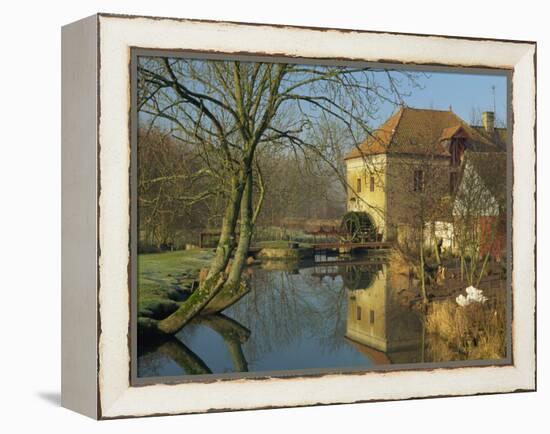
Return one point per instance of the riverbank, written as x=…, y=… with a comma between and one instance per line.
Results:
x=165, y=280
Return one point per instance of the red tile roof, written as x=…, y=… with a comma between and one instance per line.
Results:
x=419, y=131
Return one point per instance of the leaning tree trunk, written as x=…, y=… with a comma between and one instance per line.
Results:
x=216, y=277
x=241, y=253
x=235, y=288
x=226, y=243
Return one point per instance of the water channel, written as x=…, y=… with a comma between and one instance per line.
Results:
x=299, y=316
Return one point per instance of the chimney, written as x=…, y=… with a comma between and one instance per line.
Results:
x=488, y=120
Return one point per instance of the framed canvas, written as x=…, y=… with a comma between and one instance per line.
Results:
x=262, y=216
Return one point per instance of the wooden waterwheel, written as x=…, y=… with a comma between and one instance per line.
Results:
x=358, y=227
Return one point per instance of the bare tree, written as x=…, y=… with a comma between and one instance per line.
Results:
x=229, y=110
x=419, y=184
x=173, y=190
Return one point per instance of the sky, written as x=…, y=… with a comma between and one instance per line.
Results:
x=442, y=90
x=460, y=91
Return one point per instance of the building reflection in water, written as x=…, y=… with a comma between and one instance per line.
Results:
x=379, y=324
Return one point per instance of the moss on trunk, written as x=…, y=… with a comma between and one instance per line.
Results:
x=217, y=280
x=229, y=295
x=226, y=243
x=193, y=305
x=241, y=253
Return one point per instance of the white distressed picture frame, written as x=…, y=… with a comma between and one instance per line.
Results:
x=96, y=216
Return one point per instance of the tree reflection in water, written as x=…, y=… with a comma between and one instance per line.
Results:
x=349, y=315
x=284, y=307
x=233, y=334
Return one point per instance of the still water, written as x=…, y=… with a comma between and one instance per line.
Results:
x=294, y=318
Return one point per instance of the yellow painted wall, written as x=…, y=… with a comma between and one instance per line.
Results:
x=372, y=202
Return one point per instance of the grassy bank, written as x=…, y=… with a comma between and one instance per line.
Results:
x=166, y=279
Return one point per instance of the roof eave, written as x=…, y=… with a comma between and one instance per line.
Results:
x=364, y=155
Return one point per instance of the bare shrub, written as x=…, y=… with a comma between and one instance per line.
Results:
x=476, y=331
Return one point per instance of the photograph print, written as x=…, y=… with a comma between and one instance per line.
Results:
x=293, y=216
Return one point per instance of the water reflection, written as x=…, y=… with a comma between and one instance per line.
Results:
x=380, y=324
x=167, y=353
x=302, y=316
